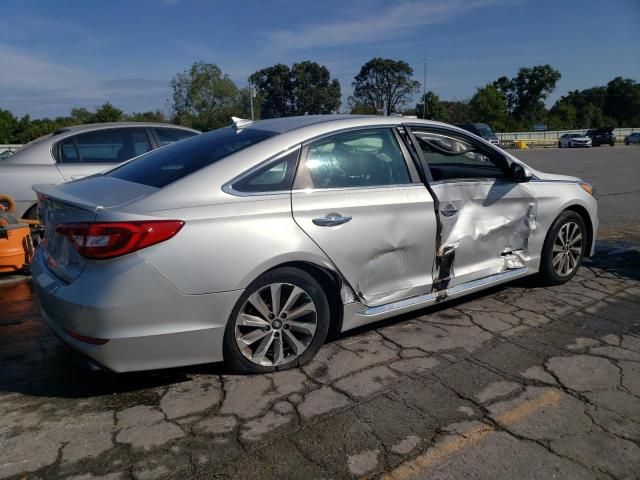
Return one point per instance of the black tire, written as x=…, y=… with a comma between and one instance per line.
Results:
x=233, y=357
x=612, y=144
x=626, y=142
x=548, y=274
x=559, y=145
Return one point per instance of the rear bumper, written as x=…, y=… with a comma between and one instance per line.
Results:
x=146, y=322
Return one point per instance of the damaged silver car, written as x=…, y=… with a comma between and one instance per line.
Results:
x=252, y=243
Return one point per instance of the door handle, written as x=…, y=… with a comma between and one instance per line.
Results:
x=449, y=211
x=331, y=220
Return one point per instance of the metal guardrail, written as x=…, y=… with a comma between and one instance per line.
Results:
x=9, y=147
x=549, y=138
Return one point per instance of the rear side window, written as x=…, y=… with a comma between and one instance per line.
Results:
x=166, y=165
x=365, y=158
x=106, y=146
x=277, y=176
x=170, y=135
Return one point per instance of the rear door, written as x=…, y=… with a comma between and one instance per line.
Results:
x=359, y=198
x=92, y=152
x=486, y=217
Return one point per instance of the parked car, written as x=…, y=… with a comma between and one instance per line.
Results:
x=249, y=244
x=74, y=152
x=574, y=140
x=632, y=138
x=601, y=136
x=482, y=130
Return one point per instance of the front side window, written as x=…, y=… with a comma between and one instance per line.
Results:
x=453, y=158
x=365, y=158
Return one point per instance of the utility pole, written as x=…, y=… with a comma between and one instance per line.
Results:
x=251, y=97
x=424, y=90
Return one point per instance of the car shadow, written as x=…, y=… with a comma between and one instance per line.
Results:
x=34, y=362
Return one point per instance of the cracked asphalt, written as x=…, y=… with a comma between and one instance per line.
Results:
x=519, y=381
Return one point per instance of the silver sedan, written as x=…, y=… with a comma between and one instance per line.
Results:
x=251, y=244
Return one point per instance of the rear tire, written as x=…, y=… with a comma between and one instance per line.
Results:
x=564, y=248
x=261, y=336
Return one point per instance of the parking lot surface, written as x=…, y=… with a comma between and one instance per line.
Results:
x=519, y=381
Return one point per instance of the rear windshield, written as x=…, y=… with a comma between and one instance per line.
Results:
x=168, y=164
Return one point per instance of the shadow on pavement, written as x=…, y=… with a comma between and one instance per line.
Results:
x=34, y=362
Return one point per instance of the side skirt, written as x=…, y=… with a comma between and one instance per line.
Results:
x=357, y=315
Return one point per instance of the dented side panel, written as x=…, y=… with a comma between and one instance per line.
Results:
x=386, y=250
x=486, y=226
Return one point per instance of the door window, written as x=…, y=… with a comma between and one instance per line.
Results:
x=452, y=158
x=105, y=146
x=365, y=158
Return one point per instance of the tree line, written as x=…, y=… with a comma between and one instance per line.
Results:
x=204, y=97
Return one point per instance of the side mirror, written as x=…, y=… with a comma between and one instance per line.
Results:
x=519, y=173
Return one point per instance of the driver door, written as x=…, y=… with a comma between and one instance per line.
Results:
x=485, y=215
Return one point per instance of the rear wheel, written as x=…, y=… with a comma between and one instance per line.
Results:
x=559, y=144
x=280, y=322
x=563, y=249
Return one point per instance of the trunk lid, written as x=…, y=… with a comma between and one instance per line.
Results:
x=78, y=202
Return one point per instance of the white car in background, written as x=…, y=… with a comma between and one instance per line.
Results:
x=74, y=152
x=574, y=140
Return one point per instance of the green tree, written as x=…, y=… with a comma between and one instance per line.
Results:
x=107, y=113
x=274, y=85
x=81, y=115
x=458, y=111
x=562, y=116
x=525, y=93
x=8, y=124
x=150, y=116
x=579, y=109
x=431, y=108
x=314, y=92
x=304, y=89
x=622, y=102
x=203, y=97
x=384, y=85
x=488, y=106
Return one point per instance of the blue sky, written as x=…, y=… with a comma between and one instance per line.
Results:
x=56, y=55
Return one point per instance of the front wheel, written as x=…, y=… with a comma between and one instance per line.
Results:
x=559, y=145
x=564, y=248
x=280, y=321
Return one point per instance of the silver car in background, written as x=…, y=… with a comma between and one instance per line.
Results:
x=74, y=152
x=572, y=140
x=250, y=244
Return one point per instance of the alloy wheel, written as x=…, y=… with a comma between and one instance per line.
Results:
x=567, y=249
x=276, y=324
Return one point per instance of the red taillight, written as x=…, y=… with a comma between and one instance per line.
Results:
x=112, y=239
x=85, y=339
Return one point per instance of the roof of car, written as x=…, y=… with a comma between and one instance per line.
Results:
x=98, y=126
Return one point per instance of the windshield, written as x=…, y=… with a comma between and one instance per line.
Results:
x=161, y=167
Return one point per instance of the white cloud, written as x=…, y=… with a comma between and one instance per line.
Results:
x=384, y=24
x=30, y=84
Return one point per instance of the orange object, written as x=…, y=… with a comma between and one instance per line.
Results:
x=16, y=248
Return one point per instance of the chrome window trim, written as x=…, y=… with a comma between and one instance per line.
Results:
x=228, y=187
